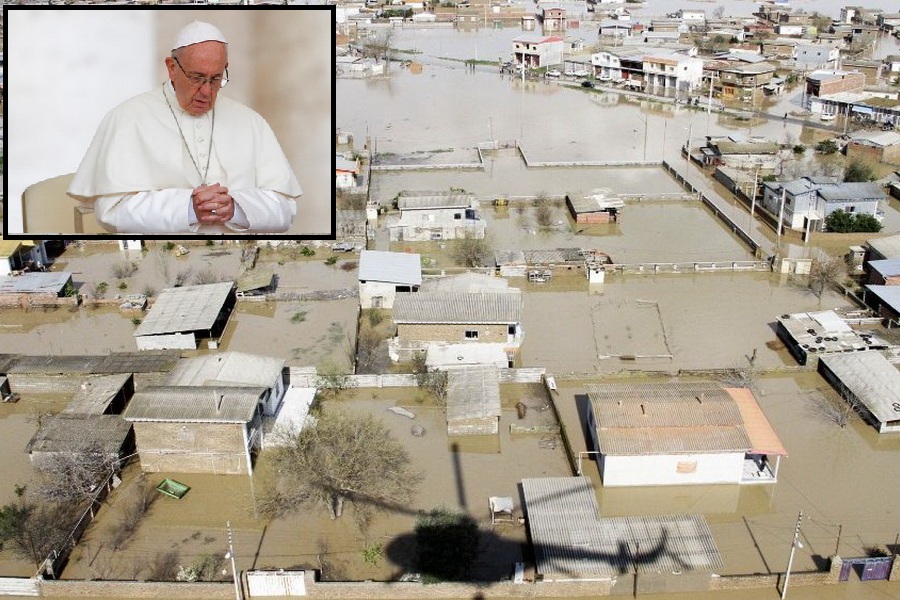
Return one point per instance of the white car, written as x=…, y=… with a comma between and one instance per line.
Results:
x=826, y=117
x=553, y=73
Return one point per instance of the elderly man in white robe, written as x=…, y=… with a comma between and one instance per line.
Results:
x=180, y=160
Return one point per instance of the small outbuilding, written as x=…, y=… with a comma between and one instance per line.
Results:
x=473, y=401
x=870, y=383
x=383, y=274
x=885, y=300
x=809, y=336
x=594, y=209
x=572, y=541
x=183, y=316
x=105, y=438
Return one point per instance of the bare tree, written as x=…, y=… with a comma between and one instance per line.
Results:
x=434, y=381
x=543, y=211
x=342, y=458
x=826, y=271
x=73, y=476
x=471, y=251
x=33, y=528
x=840, y=409
x=368, y=345
x=718, y=12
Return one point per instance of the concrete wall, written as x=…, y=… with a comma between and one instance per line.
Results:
x=135, y=589
x=410, y=333
x=174, y=341
x=486, y=426
x=191, y=447
x=31, y=383
x=672, y=469
x=26, y=301
x=373, y=289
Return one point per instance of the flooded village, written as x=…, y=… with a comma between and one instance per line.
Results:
x=611, y=309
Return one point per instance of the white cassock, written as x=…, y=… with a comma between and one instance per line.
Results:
x=139, y=176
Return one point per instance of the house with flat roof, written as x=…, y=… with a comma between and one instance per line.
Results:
x=197, y=429
x=235, y=369
x=103, y=438
x=809, y=200
x=870, y=383
x=473, y=401
x=883, y=247
x=383, y=274
x=681, y=433
x=884, y=272
x=457, y=318
x=534, y=51
x=436, y=216
x=809, y=336
x=885, y=300
x=35, y=288
x=16, y=255
x=874, y=146
x=572, y=541
x=183, y=316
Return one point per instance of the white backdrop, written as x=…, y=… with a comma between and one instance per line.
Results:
x=67, y=68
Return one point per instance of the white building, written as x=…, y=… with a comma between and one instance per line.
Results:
x=535, y=51
x=681, y=433
x=808, y=57
x=383, y=274
x=437, y=216
x=672, y=71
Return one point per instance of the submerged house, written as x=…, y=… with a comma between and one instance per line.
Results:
x=681, y=433
x=215, y=429
x=457, y=318
x=437, y=216
x=807, y=201
x=105, y=439
x=473, y=401
x=183, y=316
x=809, y=336
x=384, y=274
x=870, y=383
x=572, y=541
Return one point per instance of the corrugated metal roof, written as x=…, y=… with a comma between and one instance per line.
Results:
x=888, y=247
x=671, y=404
x=871, y=378
x=465, y=282
x=449, y=307
x=255, y=281
x=473, y=393
x=555, y=256
x=72, y=433
x=35, y=283
x=148, y=361
x=572, y=541
x=401, y=268
x=227, y=369
x=95, y=394
x=637, y=441
x=7, y=361
x=886, y=267
x=889, y=295
x=194, y=404
x=852, y=190
x=56, y=365
x=763, y=439
x=667, y=418
x=188, y=308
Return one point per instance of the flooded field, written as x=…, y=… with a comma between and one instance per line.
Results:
x=459, y=474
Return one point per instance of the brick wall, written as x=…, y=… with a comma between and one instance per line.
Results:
x=35, y=300
x=134, y=589
x=191, y=447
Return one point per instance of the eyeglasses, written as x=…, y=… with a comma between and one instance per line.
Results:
x=219, y=81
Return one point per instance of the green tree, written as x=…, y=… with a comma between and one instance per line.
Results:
x=447, y=545
x=867, y=223
x=859, y=170
x=343, y=458
x=827, y=147
x=839, y=222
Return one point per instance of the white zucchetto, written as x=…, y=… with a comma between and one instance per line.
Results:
x=196, y=32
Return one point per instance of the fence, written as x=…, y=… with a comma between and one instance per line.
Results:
x=690, y=267
x=308, y=377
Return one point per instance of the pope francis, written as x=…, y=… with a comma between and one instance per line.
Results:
x=180, y=160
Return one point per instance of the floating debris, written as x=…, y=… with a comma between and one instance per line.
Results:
x=398, y=410
x=418, y=430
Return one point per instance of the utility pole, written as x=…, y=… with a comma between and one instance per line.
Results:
x=794, y=544
x=781, y=213
x=234, y=573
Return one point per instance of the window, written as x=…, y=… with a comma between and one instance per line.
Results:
x=457, y=216
x=471, y=334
